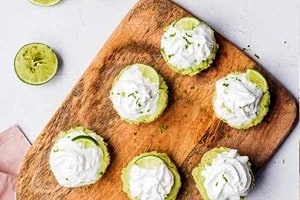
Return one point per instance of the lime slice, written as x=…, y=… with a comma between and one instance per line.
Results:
x=35, y=63
x=256, y=78
x=86, y=140
x=44, y=2
x=149, y=161
x=149, y=73
x=186, y=23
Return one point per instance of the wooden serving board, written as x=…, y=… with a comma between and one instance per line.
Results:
x=192, y=127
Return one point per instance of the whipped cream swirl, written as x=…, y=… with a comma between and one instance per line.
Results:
x=133, y=95
x=228, y=177
x=153, y=183
x=237, y=99
x=74, y=165
x=188, y=48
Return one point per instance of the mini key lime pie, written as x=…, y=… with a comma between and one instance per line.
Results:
x=241, y=99
x=139, y=94
x=78, y=157
x=152, y=176
x=223, y=174
x=189, y=46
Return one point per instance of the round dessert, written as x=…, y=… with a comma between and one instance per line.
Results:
x=241, y=99
x=189, y=46
x=151, y=175
x=139, y=94
x=78, y=157
x=223, y=174
x=35, y=63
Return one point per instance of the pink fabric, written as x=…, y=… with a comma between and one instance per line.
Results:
x=7, y=186
x=13, y=147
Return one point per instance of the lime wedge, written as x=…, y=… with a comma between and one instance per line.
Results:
x=44, y=2
x=256, y=78
x=149, y=161
x=149, y=73
x=86, y=141
x=35, y=63
x=186, y=23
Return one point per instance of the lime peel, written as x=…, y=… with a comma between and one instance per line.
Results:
x=86, y=140
x=44, y=2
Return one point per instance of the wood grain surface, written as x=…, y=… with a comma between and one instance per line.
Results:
x=192, y=127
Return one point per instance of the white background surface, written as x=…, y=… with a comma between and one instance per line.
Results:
x=77, y=29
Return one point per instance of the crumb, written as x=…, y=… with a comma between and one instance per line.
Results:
x=185, y=193
x=162, y=128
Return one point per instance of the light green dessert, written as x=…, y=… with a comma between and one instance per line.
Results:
x=189, y=46
x=139, y=94
x=241, y=99
x=35, y=63
x=223, y=174
x=78, y=157
x=151, y=175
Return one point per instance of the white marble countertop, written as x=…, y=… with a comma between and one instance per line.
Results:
x=77, y=29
